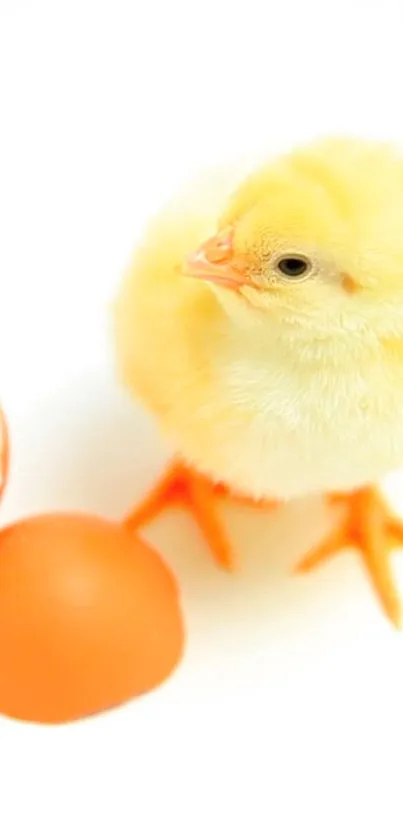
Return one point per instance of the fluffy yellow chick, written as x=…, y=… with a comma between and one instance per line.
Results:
x=266, y=335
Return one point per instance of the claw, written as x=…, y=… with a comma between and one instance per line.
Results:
x=182, y=486
x=370, y=527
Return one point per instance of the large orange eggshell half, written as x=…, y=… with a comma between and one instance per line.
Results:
x=89, y=618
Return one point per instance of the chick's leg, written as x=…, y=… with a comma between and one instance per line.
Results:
x=182, y=486
x=369, y=526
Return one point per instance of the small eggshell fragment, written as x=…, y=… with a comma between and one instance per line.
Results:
x=89, y=618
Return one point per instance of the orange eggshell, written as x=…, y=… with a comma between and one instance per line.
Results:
x=89, y=618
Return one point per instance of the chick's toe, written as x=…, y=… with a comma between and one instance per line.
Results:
x=369, y=526
x=184, y=487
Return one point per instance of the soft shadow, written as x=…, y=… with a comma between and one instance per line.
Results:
x=87, y=447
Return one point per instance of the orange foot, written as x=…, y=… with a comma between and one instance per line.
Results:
x=181, y=486
x=371, y=527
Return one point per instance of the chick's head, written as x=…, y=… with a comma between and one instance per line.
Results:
x=313, y=241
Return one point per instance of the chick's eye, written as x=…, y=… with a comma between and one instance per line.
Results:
x=293, y=266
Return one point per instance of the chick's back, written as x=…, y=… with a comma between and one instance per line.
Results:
x=165, y=324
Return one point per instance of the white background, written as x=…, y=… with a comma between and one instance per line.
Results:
x=285, y=718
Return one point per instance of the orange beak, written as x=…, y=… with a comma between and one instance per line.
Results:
x=214, y=262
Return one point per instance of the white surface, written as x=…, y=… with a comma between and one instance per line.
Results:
x=285, y=718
